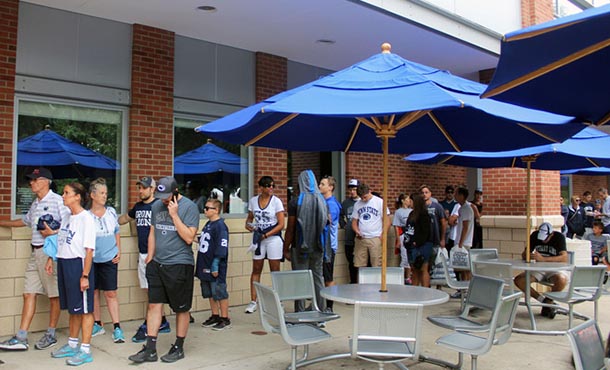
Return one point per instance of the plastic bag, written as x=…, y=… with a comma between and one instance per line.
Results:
x=438, y=272
x=460, y=258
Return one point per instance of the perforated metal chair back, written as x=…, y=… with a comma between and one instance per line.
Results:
x=452, y=282
x=498, y=270
x=386, y=332
x=587, y=346
x=484, y=292
x=590, y=278
x=482, y=255
x=372, y=275
x=506, y=318
x=270, y=308
x=294, y=285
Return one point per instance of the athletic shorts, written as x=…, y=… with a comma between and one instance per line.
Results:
x=71, y=298
x=106, y=275
x=37, y=281
x=172, y=284
x=142, y=270
x=271, y=249
x=547, y=276
x=328, y=268
x=215, y=290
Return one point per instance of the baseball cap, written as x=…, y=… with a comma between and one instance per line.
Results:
x=38, y=173
x=545, y=230
x=165, y=187
x=353, y=183
x=146, y=182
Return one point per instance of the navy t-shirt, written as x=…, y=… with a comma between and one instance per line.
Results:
x=213, y=243
x=142, y=213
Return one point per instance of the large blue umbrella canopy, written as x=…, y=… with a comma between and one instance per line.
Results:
x=420, y=108
x=423, y=108
x=588, y=148
x=585, y=149
x=559, y=66
x=64, y=158
x=590, y=171
x=209, y=158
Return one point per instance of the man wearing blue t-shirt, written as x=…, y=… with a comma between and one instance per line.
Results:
x=327, y=187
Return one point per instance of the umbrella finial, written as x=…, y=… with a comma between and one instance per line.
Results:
x=386, y=48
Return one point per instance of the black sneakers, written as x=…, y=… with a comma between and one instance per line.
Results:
x=222, y=324
x=173, y=355
x=211, y=321
x=144, y=355
x=549, y=312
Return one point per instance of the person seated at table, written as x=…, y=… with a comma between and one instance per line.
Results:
x=599, y=249
x=547, y=246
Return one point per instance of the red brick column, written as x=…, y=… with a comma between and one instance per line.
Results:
x=536, y=11
x=9, y=10
x=151, y=119
x=581, y=183
x=271, y=79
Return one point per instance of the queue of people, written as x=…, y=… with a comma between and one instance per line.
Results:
x=76, y=250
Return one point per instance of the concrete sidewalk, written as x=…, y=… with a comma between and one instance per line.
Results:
x=241, y=347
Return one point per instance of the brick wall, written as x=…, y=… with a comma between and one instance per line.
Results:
x=271, y=79
x=9, y=10
x=536, y=11
x=305, y=161
x=580, y=184
x=151, y=117
x=403, y=177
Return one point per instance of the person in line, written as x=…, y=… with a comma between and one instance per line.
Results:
x=546, y=246
x=477, y=208
x=604, y=214
x=438, y=218
x=345, y=221
x=599, y=244
x=170, y=268
x=588, y=207
x=306, y=245
x=327, y=187
x=265, y=221
x=76, y=274
x=464, y=232
x=403, y=209
x=367, y=222
x=418, y=238
x=142, y=214
x=212, y=266
x=576, y=218
x=106, y=259
x=36, y=281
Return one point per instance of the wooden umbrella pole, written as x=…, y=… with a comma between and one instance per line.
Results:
x=528, y=212
x=384, y=234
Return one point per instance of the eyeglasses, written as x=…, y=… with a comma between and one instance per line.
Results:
x=269, y=186
x=208, y=208
x=578, y=200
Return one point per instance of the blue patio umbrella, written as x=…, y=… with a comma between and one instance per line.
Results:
x=387, y=97
x=209, y=158
x=64, y=158
x=585, y=149
x=559, y=66
x=591, y=171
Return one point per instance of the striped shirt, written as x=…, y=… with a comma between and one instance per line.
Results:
x=52, y=204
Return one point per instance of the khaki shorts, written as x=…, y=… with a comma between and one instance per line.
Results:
x=36, y=278
x=365, y=248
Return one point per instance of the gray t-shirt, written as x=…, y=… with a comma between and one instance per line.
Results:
x=170, y=248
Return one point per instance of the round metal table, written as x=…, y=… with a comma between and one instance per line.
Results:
x=351, y=293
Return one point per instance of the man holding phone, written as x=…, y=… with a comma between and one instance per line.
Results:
x=169, y=268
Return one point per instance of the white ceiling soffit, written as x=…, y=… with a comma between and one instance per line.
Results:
x=290, y=28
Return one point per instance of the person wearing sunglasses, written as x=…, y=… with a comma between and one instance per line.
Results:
x=576, y=218
x=266, y=221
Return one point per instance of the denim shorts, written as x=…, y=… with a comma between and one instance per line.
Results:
x=420, y=255
x=215, y=290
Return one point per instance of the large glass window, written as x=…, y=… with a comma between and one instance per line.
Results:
x=205, y=168
x=76, y=143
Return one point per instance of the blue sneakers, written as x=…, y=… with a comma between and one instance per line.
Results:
x=117, y=336
x=97, y=330
x=64, y=351
x=80, y=358
x=165, y=328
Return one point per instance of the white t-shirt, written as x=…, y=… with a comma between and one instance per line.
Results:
x=77, y=232
x=453, y=229
x=265, y=217
x=369, y=216
x=465, y=214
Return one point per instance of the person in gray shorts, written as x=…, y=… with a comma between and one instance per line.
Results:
x=37, y=281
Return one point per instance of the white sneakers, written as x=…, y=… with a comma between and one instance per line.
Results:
x=251, y=307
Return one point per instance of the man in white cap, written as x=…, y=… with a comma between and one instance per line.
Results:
x=546, y=246
x=37, y=281
x=170, y=267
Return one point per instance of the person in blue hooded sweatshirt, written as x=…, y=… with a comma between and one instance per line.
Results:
x=307, y=244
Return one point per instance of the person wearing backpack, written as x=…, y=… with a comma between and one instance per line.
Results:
x=418, y=239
